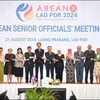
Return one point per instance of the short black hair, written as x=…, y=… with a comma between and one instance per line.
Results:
x=10, y=49
x=49, y=46
x=1, y=47
x=73, y=97
x=29, y=47
x=3, y=96
x=38, y=43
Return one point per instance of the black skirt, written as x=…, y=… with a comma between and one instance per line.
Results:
x=9, y=68
x=18, y=72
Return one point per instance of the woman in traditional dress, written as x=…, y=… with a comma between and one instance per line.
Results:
x=96, y=72
x=2, y=59
x=70, y=69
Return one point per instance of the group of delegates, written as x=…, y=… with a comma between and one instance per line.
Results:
x=14, y=64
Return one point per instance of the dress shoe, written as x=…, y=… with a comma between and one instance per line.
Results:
x=86, y=82
x=91, y=82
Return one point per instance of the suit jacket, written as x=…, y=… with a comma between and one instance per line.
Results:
x=89, y=55
x=27, y=56
x=39, y=55
x=79, y=56
x=50, y=58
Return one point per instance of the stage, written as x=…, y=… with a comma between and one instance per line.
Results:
x=82, y=91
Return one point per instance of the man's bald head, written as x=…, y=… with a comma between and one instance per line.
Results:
x=89, y=47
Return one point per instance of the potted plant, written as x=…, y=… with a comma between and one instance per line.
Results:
x=41, y=94
x=32, y=95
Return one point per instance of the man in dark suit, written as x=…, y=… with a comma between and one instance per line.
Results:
x=39, y=61
x=79, y=64
x=50, y=58
x=89, y=63
x=29, y=64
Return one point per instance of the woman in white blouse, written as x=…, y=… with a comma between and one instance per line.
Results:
x=19, y=65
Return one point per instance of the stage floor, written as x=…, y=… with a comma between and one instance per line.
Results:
x=82, y=91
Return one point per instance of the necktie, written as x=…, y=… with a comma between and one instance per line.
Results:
x=39, y=50
x=79, y=53
x=49, y=53
x=89, y=51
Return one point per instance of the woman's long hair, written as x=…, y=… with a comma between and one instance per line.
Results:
x=19, y=49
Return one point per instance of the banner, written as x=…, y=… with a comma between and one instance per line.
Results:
x=60, y=24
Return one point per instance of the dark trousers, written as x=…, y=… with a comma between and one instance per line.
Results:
x=59, y=73
x=50, y=67
x=28, y=69
x=87, y=68
x=37, y=65
x=79, y=73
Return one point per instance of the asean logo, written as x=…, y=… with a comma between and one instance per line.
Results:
x=24, y=12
